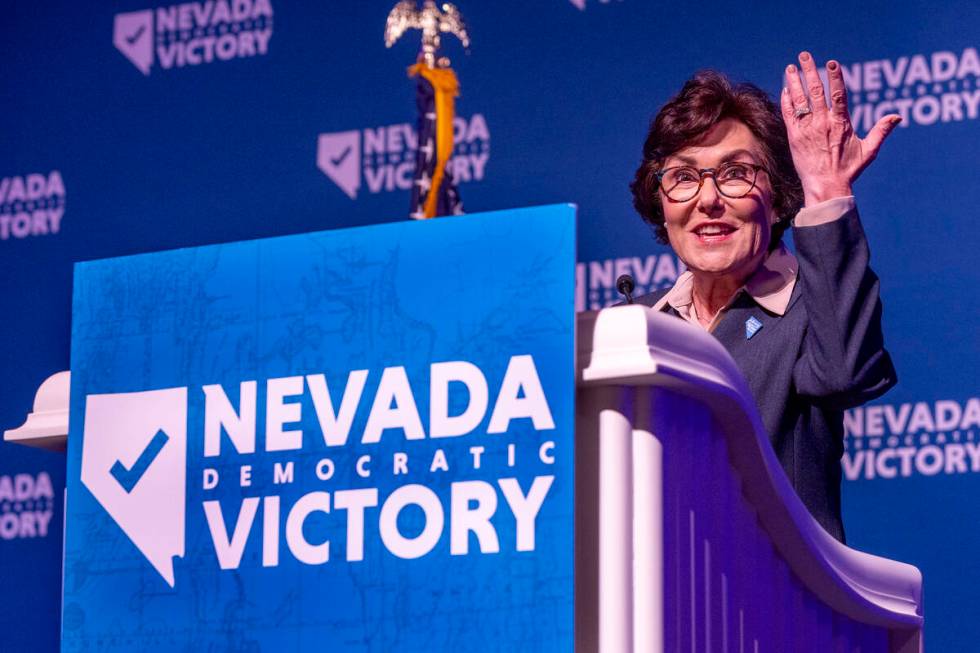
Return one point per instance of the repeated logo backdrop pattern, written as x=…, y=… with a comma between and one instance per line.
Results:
x=184, y=124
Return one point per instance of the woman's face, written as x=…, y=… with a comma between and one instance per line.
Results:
x=714, y=235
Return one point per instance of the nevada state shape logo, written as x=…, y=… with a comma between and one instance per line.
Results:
x=338, y=156
x=134, y=461
x=132, y=35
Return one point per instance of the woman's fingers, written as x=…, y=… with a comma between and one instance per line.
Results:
x=877, y=135
x=827, y=153
x=838, y=92
x=786, y=104
x=814, y=86
x=797, y=95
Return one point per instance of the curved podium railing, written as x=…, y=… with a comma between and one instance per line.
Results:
x=689, y=535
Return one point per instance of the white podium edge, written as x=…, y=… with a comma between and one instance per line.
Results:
x=635, y=346
x=46, y=426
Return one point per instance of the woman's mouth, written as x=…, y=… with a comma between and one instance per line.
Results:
x=715, y=232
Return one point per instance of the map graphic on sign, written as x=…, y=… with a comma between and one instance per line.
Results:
x=134, y=464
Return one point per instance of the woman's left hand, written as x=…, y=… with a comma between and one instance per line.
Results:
x=827, y=154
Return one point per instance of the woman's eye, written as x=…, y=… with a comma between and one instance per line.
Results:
x=685, y=177
x=735, y=172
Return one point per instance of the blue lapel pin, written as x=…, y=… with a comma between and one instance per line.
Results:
x=752, y=326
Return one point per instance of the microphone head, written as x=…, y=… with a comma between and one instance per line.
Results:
x=625, y=284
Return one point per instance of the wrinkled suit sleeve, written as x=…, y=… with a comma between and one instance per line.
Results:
x=843, y=362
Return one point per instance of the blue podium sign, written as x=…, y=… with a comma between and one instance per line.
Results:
x=354, y=440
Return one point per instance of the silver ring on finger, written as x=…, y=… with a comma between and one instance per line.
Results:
x=799, y=112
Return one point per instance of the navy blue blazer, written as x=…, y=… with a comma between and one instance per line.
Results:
x=824, y=354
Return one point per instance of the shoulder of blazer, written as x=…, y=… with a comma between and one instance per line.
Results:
x=650, y=298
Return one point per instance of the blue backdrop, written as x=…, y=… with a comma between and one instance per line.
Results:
x=140, y=126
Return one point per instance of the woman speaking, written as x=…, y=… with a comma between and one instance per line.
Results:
x=724, y=173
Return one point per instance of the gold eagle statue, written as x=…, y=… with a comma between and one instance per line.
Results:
x=432, y=20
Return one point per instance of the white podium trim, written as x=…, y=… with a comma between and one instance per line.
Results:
x=47, y=425
x=634, y=346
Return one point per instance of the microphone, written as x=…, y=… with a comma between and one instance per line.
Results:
x=625, y=285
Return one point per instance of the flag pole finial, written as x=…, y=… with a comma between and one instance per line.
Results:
x=433, y=20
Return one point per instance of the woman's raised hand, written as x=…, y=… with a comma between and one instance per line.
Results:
x=827, y=153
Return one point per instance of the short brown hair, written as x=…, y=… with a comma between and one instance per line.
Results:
x=705, y=100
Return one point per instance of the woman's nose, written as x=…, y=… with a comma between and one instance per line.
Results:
x=709, y=199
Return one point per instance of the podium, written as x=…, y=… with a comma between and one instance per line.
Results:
x=689, y=534
x=254, y=462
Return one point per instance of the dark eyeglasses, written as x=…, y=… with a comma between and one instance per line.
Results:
x=733, y=180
